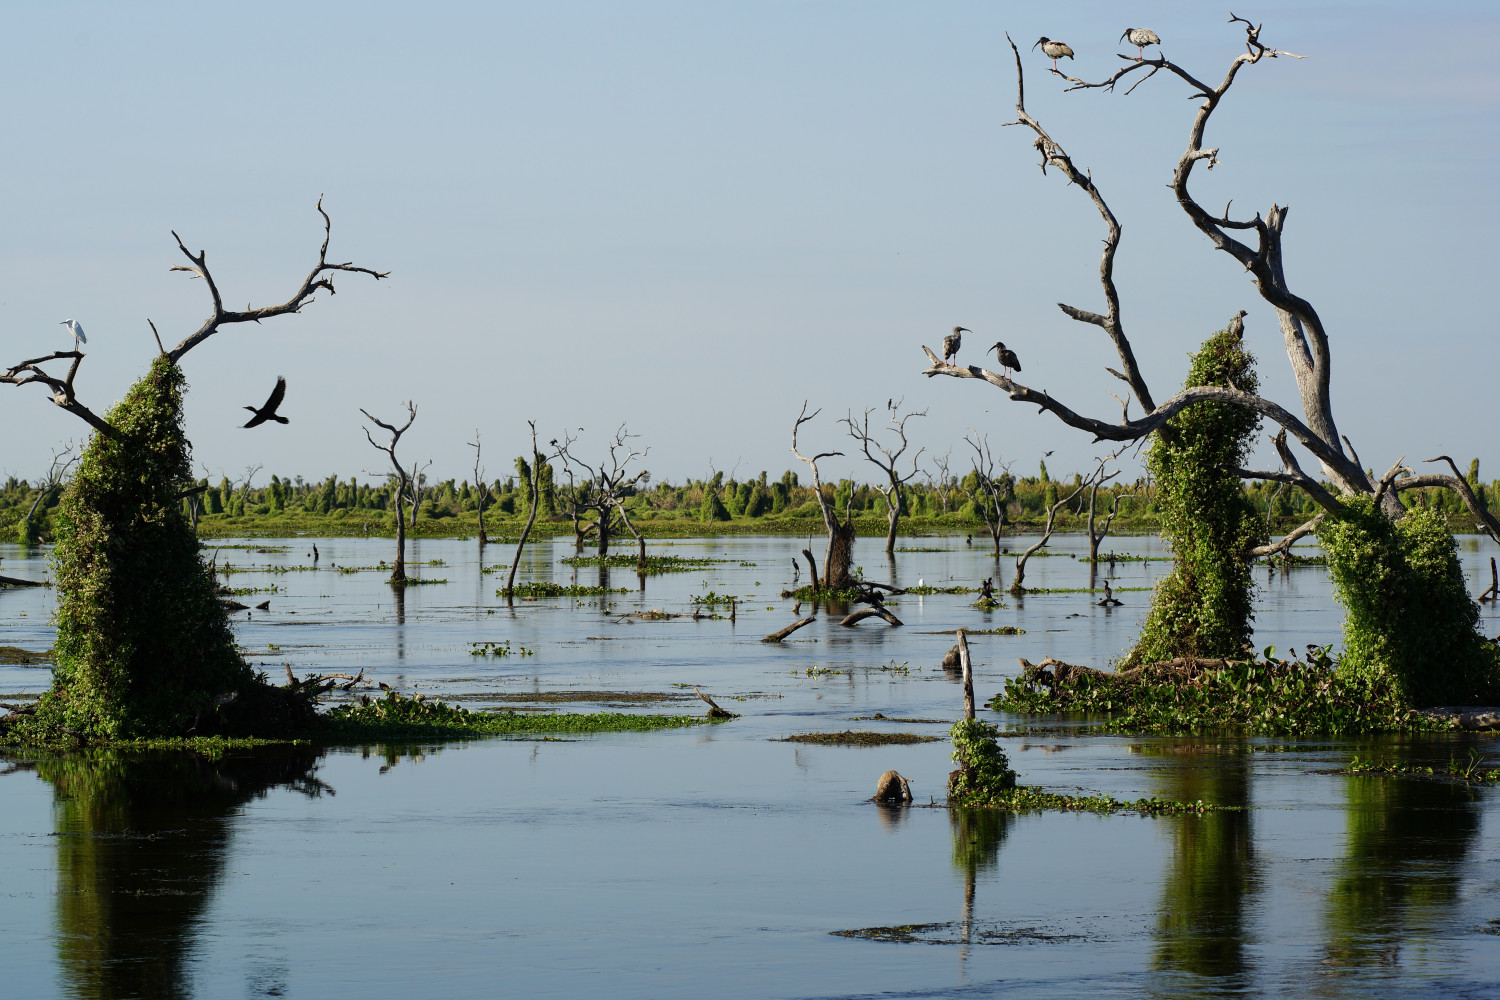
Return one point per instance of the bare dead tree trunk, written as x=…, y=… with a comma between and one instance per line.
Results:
x=480, y=489
x=533, y=500
x=840, y=536
x=1097, y=535
x=887, y=461
x=968, y=671
x=1017, y=587
x=398, y=572
x=991, y=493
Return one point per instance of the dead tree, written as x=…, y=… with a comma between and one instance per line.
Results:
x=840, y=555
x=888, y=461
x=50, y=483
x=415, y=480
x=602, y=489
x=398, y=572
x=1098, y=531
x=1305, y=337
x=480, y=489
x=990, y=493
x=532, y=473
x=939, y=480
x=1016, y=587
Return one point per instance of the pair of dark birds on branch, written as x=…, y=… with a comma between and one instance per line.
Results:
x=1006, y=357
x=1139, y=37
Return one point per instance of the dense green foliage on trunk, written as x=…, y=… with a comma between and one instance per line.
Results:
x=1203, y=607
x=1410, y=621
x=143, y=644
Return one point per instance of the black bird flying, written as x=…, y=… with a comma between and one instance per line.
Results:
x=951, y=342
x=1006, y=357
x=268, y=411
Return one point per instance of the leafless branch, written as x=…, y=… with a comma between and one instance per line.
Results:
x=1285, y=543
x=398, y=572
x=63, y=394
x=888, y=461
x=1054, y=155
x=320, y=278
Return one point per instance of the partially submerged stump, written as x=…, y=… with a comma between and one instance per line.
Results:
x=794, y=626
x=892, y=788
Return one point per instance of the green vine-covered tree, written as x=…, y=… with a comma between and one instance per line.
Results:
x=144, y=646
x=1203, y=607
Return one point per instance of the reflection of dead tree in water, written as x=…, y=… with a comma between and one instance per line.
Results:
x=398, y=572
x=840, y=554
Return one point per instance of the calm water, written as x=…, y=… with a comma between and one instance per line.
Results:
x=720, y=858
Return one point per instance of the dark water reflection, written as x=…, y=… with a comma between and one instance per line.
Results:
x=142, y=842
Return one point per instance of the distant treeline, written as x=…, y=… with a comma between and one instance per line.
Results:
x=451, y=507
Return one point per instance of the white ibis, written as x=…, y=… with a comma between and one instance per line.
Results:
x=1237, y=326
x=951, y=342
x=1140, y=38
x=1054, y=50
x=1006, y=357
x=268, y=410
x=76, y=331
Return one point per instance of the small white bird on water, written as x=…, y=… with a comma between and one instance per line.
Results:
x=76, y=331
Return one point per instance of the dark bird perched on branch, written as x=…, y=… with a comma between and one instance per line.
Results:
x=1054, y=50
x=268, y=411
x=1140, y=38
x=951, y=342
x=1237, y=326
x=1006, y=357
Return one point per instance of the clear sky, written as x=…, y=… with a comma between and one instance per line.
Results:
x=690, y=217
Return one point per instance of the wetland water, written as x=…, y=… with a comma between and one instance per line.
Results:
x=719, y=858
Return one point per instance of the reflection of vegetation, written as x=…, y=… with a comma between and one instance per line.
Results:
x=1202, y=926
x=1407, y=844
x=141, y=844
x=977, y=835
x=1466, y=770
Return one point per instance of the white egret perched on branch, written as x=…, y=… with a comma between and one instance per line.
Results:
x=76, y=331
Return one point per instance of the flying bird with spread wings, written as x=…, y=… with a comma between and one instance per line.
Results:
x=268, y=410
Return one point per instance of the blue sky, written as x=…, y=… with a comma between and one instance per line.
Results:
x=690, y=217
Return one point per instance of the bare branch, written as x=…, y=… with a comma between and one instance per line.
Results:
x=63, y=394
x=1291, y=537
x=1054, y=155
x=320, y=278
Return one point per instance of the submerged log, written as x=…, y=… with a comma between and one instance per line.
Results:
x=794, y=626
x=714, y=711
x=860, y=616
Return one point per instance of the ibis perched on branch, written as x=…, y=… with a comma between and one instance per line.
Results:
x=1140, y=38
x=951, y=342
x=1006, y=357
x=1054, y=50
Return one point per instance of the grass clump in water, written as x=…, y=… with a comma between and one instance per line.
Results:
x=857, y=738
x=1263, y=697
x=533, y=591
x=417, y=717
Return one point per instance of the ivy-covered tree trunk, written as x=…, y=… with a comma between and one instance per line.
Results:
x=144, y=646
x=1411, y=622
x=1203, y=607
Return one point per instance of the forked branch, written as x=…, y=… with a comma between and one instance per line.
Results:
x=320, y=278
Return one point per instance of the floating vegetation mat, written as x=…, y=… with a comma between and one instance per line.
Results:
x=652, y=565
x=953, y=932
x=532, y=591
x=15, y=656
x=602, y=697
x=857, y=738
